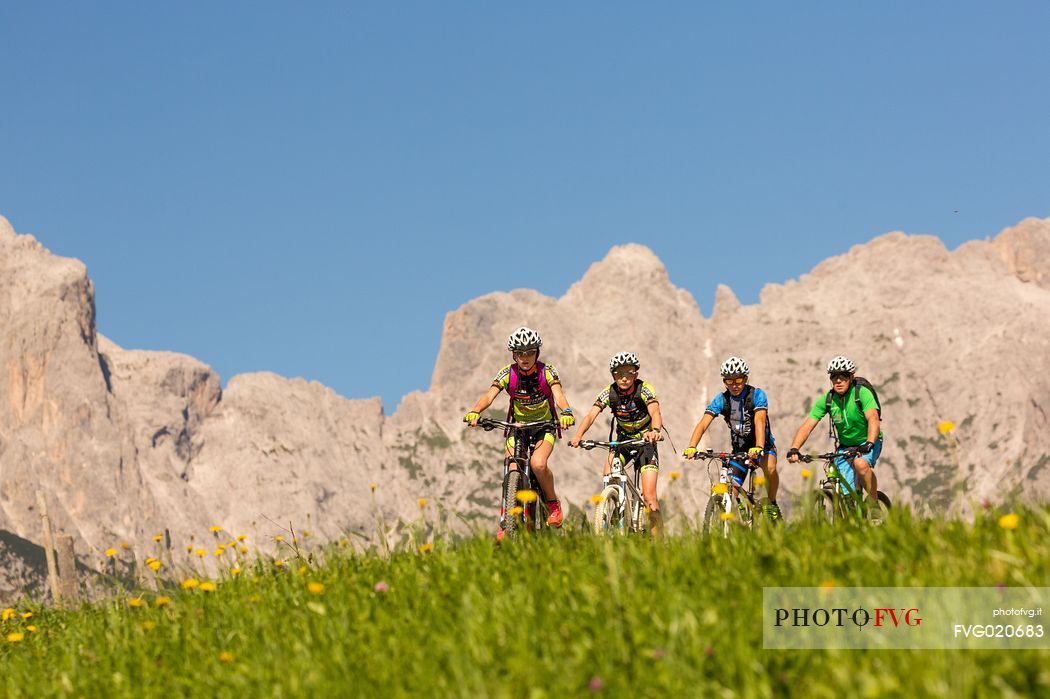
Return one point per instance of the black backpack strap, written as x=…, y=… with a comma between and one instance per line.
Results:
x=831, y=422
x=612, y=411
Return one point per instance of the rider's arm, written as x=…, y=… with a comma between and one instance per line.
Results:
x=803, y=433
x=585, y=424
x=486, y=399
x=559, y=397
x=656, y=418
x=698, y=431
x=760, y=428
x=873, y=424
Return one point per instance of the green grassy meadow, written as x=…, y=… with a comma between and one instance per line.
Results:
x=564, y=614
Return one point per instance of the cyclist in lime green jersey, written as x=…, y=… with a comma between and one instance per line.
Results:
x=854, y=413
x=535, y=394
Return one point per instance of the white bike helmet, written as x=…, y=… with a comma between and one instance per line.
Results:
x=841, y=365
x=623, y=359
x=524, y=339
x=735, y=366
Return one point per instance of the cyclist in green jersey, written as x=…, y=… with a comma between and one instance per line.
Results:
x=535, y=394
x=854, y=426
x=637, y=414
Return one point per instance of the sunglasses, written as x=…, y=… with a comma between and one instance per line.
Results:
x=523, y=354
x=624, y=373
x=835, y=378
x=735, y=381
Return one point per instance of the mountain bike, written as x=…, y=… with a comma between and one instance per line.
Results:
x=621, y=508
x=730, y=505
x=531, y=512
x=840, y=497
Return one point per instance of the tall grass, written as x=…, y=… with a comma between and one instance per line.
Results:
x=560, y=615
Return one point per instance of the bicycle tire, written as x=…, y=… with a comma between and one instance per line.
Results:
x=512, y=523
x=713, y=513
x=826, y=506
x=606, y=512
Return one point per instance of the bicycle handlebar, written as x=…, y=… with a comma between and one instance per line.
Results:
x=711, y=454
x=489, y=424
x=626, y=443
x=848, y=452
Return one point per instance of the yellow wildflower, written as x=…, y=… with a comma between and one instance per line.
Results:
x=1009, y=521
x=149, y=625
x=278, y=538
x=241, y=537
x=760, y=480
x=806, y=473
x=200, y=553
x=27, y=615
x=515, y=511
x=235, y=571
x=302, y=570
x=111, y=552
x=526, y=496
x=315, y=588
x=216, y=528
x=124, y=546
x=945, y=427
x=15, y=637
x=306, y=534
x=278, y=563
x=207, y=587
x=135, y=602
x=158, y=537
x=162, y=601
x=31, y=628
x=422, y=502
x=226, y=657
x=218, y=551
x=189, y=548
x=595, y=499
x=372, y=486
x=826, y=585
x=243, y=549
x=719, y=489
x=726, y=516
x=154, y=565
x=7, y=614
x=190, y=583
x=426, y=548
x=675, y=475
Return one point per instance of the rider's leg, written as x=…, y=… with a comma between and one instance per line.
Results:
x=546, y=479
x=769, y=469
x=542, y=471
x=867, y=477
x=650, y=474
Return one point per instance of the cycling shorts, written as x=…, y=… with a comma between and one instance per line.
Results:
x=535, y=435
x=845, y=466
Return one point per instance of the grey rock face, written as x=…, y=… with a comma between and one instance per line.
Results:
x=127, y=443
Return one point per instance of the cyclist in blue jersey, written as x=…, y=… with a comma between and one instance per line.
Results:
x=745, y=409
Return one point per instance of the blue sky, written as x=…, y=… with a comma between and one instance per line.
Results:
x=309, y=190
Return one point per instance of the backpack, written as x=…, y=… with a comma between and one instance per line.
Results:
x=636, y=395
x=749, y=408
x=545, y=389
x=858, y=382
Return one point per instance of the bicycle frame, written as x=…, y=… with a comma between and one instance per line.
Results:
x=834, y=483
x=532, y=514
x=732, y=500
x=628, y=488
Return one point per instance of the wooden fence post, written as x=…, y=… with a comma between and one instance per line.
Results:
x=67, y=568
x=49, y=549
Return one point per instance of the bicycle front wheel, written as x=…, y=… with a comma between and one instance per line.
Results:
x=607, y=517
x=514, y=519
x=713, y=521
x=826, y=507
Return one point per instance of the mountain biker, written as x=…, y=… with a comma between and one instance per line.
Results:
x=746, y=412
x=854, y=426
x=636, y=412
x=536, y=395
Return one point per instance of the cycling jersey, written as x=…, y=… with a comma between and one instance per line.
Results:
x=851, y=425
x=631, y=409
x=530, y=403
x=742, y=421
